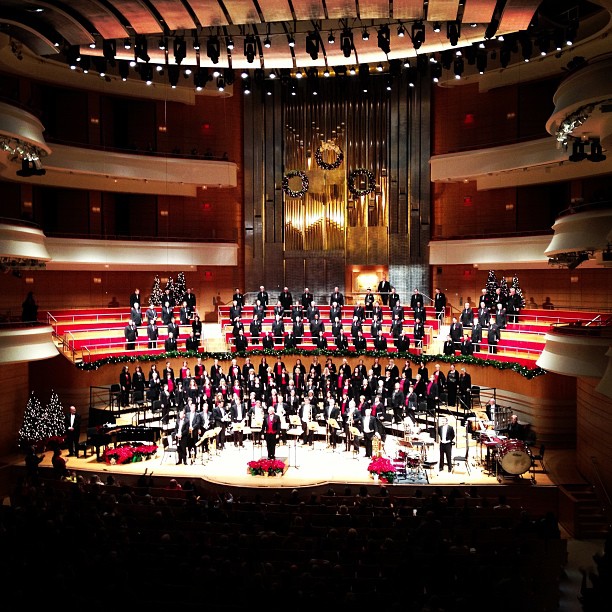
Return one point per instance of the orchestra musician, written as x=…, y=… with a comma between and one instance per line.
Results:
x=181, y=432
x=352, y=418
x=221, y=418
x=332, y=411
x=306, y=418
x=238, y=415
x=194, y=421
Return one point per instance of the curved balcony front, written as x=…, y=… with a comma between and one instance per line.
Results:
x=26, y=343
x=577, y=350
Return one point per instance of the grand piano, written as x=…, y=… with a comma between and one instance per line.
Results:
x=103, y=432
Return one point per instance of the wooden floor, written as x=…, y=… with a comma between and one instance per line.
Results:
x=319, y=465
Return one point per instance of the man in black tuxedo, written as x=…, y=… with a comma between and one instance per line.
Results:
x=306, y=298
x=238, y=297
x=235, y=310
x=368, y=301
x=135, y=297
x=174, y=329
x=384, y=289
x=394, y=298
x=397, y=403
x=456, y=333
x=369, y=425
x=298, y=330
x=151, y=314
x=335, y=311
x=415, y=298
x=263, y=297
x=290, y=342
x=439, y=303
x=341, y=341
x=271, y=429
x=446, y=436
x=297, y=311
x=241, y=342
x=278, y=330
x=170, y=343
x=73, y=432
x=181, y=434
x=316, y=327
x=402, y=343
x=359, y=342
x=336, y=296
x=255, y=330
x=152, y=334
x=476, y=335
x=336, y=327
x=190, y=298
x=449, y=346
x=286, y=299
x=268, y=341
x=380, y=342
x=493, y=337
x=131, y=335
x=467, y=348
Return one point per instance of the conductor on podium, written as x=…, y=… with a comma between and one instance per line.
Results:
x=271, y=429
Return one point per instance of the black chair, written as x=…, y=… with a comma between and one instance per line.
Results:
x=539, y=457
x=475, y=397
x=115, y=396
x=462, y=459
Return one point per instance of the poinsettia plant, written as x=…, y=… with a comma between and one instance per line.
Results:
x=383, y=467
x=266, y=466
x=129, y=453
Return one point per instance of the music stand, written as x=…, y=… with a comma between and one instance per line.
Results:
x=333, y=424
x=313, y=427
x=256, y=426
x=355, y=435
x=296, y=431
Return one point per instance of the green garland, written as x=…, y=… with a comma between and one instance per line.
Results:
x=524, y=371
x=288, y=190
x=357, y=193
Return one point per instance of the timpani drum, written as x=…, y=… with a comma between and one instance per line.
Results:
x=514, y=456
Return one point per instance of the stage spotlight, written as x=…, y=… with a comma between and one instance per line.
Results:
x=491, y=29
x=141, y=49
x=291, y=41
x=249, y=48
x=229, y=43
x=401, y=30
x=346, y=42
x=200, y=78
x=109, y=49
x=384, y=39
x=220, y=83
x=246, y=87
x=418, y=35
x=331, y=39
x=213, y=49
x=453, y=31
x=180, y=49
x=73, y=55
x=458, y=67
x=124, y=69
x=364, y=77
x=437, y=26
x=578, y=153
x=526, y=48
x=312, y=45
x=173, y=75
x=481, y=61
x=436, y=72
x=570, y=33
x=596, y=154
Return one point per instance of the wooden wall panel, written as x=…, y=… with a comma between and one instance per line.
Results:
x=590, y=291
x=12, y=404
x=594, y=422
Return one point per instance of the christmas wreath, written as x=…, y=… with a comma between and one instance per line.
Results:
x=351, y=182
x=288, y=190
x=329, y=146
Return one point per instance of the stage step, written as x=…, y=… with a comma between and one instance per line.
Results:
x=587, y=512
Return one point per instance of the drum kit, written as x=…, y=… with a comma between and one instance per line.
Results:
x=505, y=456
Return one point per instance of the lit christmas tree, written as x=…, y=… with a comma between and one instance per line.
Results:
x=170, y=288
x=180, y=288
x=30, y=432
x=54, y=419
x=519, y=291
x=504, y=286
x=491, y=285
x=156, y=292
